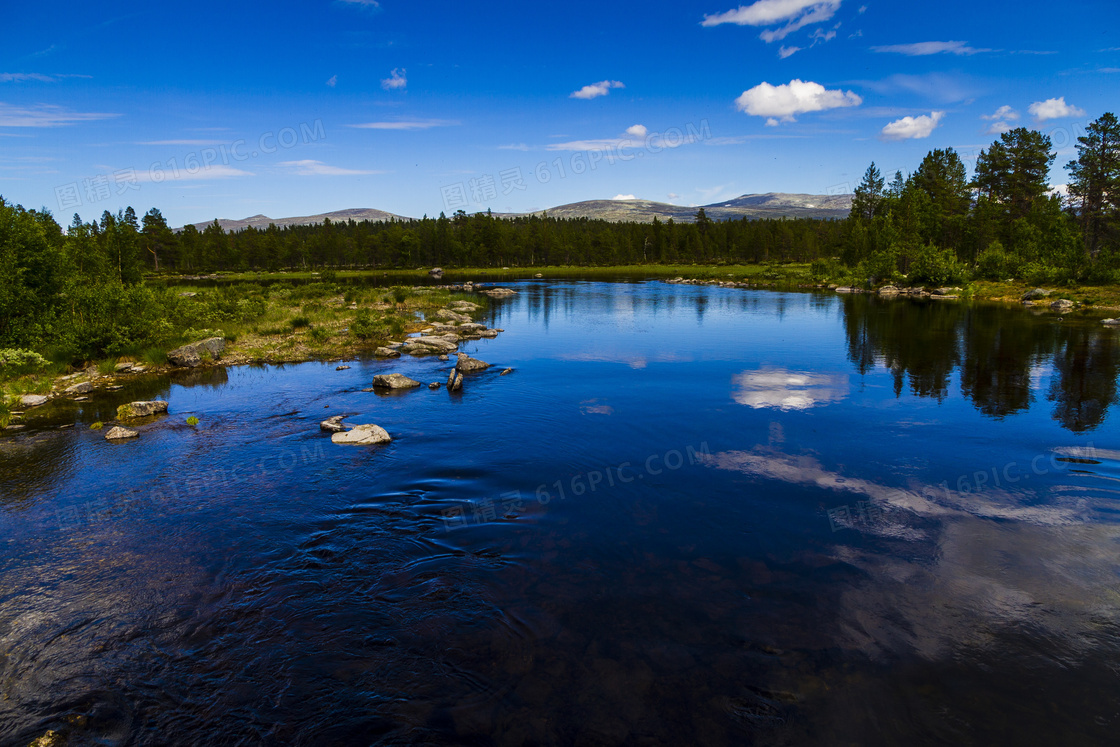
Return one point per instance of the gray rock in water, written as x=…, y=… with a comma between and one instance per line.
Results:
x=82, y=388
x=507, y=371
x=387, y=352
x=467, y=363
x=117, y=433
x=1105, y=322
x=1062, y=304
x=443, y=357
x=498, y=292
x=342, y=368
x=333, y=424
x=394, y=381
x=436, y=272
x=437, y=344
x=888, y=290
x=141, y=409
x=455, y=380
x=362, y=435
x=488, y=333
x=434, y=385
x=1037, y=293
x=32, y=400
x=451, y=316
x=189, y=356
x=123, y=367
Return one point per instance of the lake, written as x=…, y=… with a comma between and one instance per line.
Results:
x=690, y=515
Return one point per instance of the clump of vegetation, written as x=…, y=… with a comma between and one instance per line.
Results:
x=364, y=325
x=5, y=411
x=15, y=362
x=192, y=420
x=319, y=334
x=300, y=322
x=96, y=426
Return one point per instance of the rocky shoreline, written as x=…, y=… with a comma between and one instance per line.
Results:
x=439, y=334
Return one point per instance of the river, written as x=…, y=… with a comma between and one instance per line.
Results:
x=690, y=515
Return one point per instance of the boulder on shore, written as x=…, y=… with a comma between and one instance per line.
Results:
x=387, y=352
x=394, y=381
x=117, y=433
x=32, y=400
x=362, y=435
x=1062, y=304
x=141, y=409
x=1034, y=294
x=81, y=388
x=191, y=355
x=467, y=363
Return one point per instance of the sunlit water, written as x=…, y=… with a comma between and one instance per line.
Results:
x=691, y=515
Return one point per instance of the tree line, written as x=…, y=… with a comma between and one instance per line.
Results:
x=938, y=226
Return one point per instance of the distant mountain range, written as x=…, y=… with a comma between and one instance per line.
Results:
x=770, y=205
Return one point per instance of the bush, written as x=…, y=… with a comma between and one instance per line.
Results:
x=401, y=293
x=319, y=334
x=16, y=362
x=934, y=266
x=300, y=321
x=995, y=264
x=364, y=326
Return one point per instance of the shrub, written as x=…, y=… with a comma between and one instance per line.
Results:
x=18, y=362
x=401, y=293
x=364, y=326
x=96, y=426
x=320, y=334
x=300, y=321
x=934, y=266
x=995, y=264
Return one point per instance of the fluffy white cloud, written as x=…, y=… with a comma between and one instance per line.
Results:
x=921, y=49
x=998, y=128
x=912, y=128
x=624, y=197
x=1004, y=112
x=602, y=88
x=637, y=130
x=795, y=13
x=783, y=102
x=308, y=167
x=397, y=79
x=1054, y=109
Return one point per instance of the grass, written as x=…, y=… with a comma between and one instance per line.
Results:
x=96, y=426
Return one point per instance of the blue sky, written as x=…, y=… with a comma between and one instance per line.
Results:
x=205, y=110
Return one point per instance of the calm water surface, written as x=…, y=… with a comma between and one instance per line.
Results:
x=691, y=515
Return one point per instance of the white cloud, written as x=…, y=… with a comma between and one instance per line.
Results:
x=332, y=81
x=1004, y=112
x=819, y=36
x=45, y=115
x=182, y=142
x=217, y=171
x=39, y=77
x=362, y=3
x=637, y=130
x=998, y=128
x=673, y=196
x=309, y=167
x=1054, y=109
x=397, y=79
x=785, y=52
x=624, y=197
x=514, y=146
x=921, y=49
x=602, y=88
x=782, y=102
x=912, y=128
x=415, y=124
x=795, y=13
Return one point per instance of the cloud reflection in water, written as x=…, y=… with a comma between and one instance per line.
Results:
x=782, y=389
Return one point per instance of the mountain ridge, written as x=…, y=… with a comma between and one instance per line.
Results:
x=764, y=205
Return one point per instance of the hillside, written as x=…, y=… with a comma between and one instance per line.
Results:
x=770, y=205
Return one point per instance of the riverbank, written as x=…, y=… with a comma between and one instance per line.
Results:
x=318, y=324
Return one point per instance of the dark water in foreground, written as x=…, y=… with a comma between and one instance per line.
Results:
x=690, y=516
